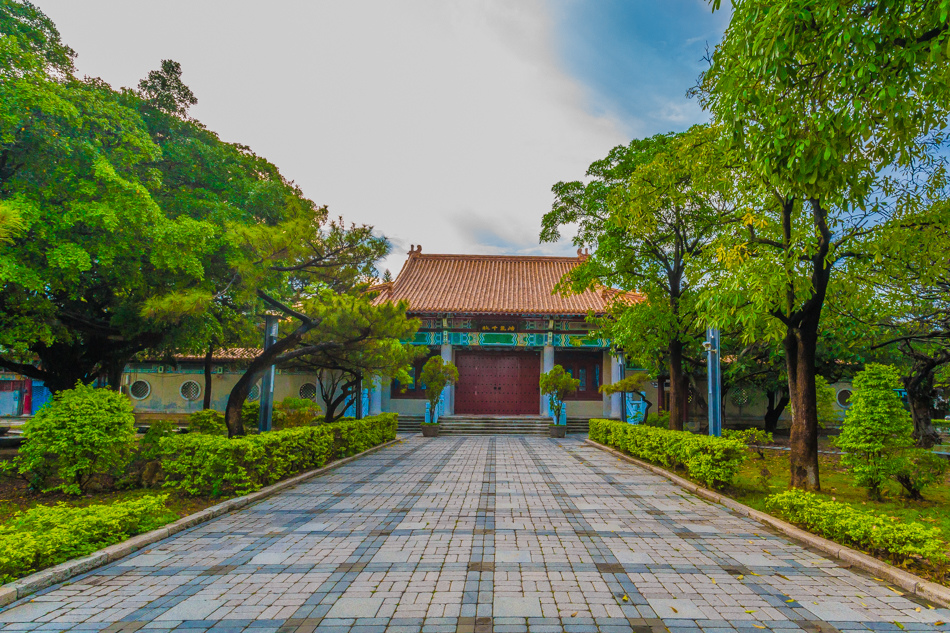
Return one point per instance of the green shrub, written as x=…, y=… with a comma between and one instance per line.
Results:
x=918, y=469
x=753, y=438
x=876, y=428
x=295, y=412
x=826, y=399
x=150, y=445
x=848, y=526
x=659, y=420
x=83, y=433
x=251, y=416
x=714, y=461
x=214, y=465
x=207, y=422
x=48, y=535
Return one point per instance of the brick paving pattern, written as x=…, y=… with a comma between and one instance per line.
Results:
x=477, y=534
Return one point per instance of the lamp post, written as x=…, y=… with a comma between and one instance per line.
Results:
x=267, y=384
x=714, y=381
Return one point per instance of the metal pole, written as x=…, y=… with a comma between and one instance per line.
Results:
x=267, y=385
x=359, y=397
x=714, y=380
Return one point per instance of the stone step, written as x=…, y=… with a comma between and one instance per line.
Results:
x=490, y=425
x=493, y=425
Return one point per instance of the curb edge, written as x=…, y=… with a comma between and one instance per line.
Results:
x=50, y=576
x=903, y=579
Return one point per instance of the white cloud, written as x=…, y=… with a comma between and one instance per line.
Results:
x=406, y=115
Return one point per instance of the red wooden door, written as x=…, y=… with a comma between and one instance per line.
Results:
x=493, y=383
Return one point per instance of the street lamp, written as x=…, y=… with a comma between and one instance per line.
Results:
x=714, y=381
x=267, y=384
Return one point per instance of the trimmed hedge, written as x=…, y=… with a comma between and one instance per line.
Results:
x=714, y=461
x=49, y=535
x=848, y=526
x=214, y=465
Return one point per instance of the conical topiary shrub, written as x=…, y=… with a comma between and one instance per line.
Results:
x=876, y=428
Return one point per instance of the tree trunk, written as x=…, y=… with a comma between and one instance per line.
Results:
x=232, y=413
x=804, y=440
x=208, y=358
x=115, y=375
x=679, y=386
x=920, y=394
x=776, y=407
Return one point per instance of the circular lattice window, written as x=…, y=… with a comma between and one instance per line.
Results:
x=254, y=393
x=140, y=389
x=741, y=397
x=190, y=390
x=308, y=391
x=844, y=398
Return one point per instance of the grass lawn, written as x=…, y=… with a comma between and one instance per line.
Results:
x=759, y=478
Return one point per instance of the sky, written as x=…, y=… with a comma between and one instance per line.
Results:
x=442, y=124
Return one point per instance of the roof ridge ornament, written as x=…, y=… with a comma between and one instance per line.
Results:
x=415, y=250
x=583, y=253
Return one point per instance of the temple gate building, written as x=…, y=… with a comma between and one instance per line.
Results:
x=496, y=319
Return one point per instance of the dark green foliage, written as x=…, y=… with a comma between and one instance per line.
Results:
x=753, y=438
x=714, y=461
x=150, y=444
x=918, y=469
x=215, y=465
x=660, y=420
x=208, y=422
x=294, y=412
x=165, y=90
x=250, y=414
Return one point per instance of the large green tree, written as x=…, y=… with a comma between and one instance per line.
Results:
x=913, y=322
x=130, y=212
x=650, y=212
x=833, y=109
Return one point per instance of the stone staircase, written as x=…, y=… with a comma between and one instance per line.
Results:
x=491, y=425
x=578, y=425
x=409, y=424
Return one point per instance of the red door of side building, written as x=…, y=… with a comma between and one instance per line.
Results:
x=498, y=383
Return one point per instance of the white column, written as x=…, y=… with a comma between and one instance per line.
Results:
x=547, y=364
x=376, y=397
x=615, y=371
x=449, y=389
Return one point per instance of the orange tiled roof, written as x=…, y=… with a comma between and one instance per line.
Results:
x=224, y=354
x=491, y=284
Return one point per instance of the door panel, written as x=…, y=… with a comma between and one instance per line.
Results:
x=498, y=383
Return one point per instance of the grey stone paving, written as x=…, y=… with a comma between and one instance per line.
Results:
x=476, y=534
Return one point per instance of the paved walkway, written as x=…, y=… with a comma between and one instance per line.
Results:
x=476, y=534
